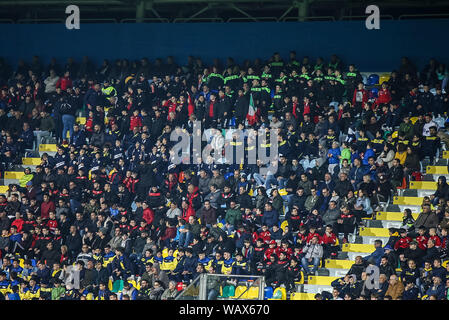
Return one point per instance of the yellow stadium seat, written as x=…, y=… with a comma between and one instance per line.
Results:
x=357, y=247
x=302, y=296
x=436, y=170
x=253, y=293
x=302, y=278
x=392, y=216
x=338, y=264
x=81, y=120
x=240, y=293
x=411, y=201
x=423, y=185
x=31, y=161
x=110, y=285
x=384, y=78
x=48, y=147
x=279, y=293
x=321, y=280
x=374, y=232
x=14, y=174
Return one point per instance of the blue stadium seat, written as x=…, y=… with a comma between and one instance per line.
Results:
x=268, y=293
x=373, y=79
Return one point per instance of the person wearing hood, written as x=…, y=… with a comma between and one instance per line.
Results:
x=441, y=192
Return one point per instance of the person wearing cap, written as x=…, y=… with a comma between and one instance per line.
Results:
x=415, y=253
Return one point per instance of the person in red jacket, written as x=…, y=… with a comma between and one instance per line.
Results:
x=18, y=222
x=384, y=95
x=403, y=242
x=313, y=233
x=433, y=236
x=46, y=207
x=52, y=223
x=186, y=210
x=265, y=234
x=421, y=238
x=170, y=104
x=64, y=82
x=148, y=213
x=359, y=97
x=135, y=120
x=329, y=239
x=170, y=233
x=271, y=250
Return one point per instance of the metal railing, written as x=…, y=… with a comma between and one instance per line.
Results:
x=187, y=20
x=382, y=17
x=255, y=19
x=424, y=16
x=318, y=18
x=146, y=20
x=198, y=290
x=33, y=20
x=102, y=20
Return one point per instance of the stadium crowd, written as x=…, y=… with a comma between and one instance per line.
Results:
x=111, y=205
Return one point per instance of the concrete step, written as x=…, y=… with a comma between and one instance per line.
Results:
x=314, y=289
x=370, y=240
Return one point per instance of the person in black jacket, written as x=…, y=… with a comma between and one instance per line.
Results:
x=241, y=107
x=67, y=109
x=442, y=191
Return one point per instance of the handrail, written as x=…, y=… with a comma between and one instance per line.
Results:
x=252, y=19
x=32, y=20
x=181, y=20
x=324, y=18
x=133, y=20
x=180, y=294
x=382, y=17
x=424, y=15
x=101, y=20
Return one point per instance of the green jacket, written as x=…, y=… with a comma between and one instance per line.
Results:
x=232, y=216
x=56, y=293
x=345, y=154
x=406, y=129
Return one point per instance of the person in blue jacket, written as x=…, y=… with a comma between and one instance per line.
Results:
x=377, y=254
x=356, y=173
x=270, y=216
x=333, y=155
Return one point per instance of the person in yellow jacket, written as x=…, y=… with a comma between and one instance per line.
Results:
x=28, y=176
x=169, y=262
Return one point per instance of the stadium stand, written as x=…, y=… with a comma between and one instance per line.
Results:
x=93, y=208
